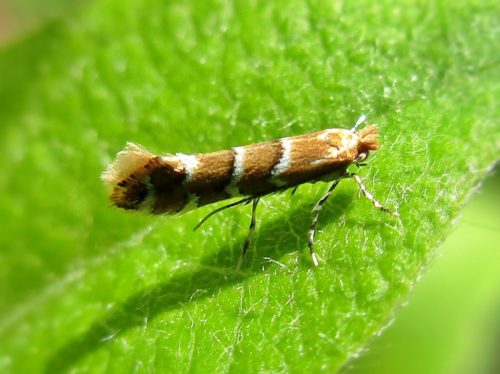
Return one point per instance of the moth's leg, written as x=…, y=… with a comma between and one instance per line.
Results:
x=251, y=230
x=239, y=202
x=316, y=210
x=368, y=195
x=294, y=190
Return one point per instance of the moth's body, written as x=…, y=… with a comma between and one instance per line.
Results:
x=171, y=184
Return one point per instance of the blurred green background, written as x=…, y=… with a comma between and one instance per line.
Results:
x=450, y=323
x=18, y=17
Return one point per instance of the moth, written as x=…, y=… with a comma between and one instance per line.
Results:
x=175, y=183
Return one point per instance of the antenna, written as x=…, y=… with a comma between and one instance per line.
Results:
x=361, y=119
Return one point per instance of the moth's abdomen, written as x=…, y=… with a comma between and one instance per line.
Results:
x=254, y=165
x=209, y=175
x=216, y=176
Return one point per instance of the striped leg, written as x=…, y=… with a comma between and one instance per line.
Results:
x=369, y=196
x=251, y=230
x=316, y=210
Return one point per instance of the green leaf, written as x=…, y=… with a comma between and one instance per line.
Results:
x=451, y=322
x=88, y=287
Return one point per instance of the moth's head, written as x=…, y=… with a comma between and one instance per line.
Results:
x=368, y=141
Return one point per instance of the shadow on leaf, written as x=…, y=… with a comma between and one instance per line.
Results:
x=216, y=272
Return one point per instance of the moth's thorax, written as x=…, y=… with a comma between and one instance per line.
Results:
x=173, y=183
x=342, y=144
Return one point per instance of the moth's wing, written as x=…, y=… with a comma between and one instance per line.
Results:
x=132, y=157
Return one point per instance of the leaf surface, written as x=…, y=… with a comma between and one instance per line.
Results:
x=88, y=287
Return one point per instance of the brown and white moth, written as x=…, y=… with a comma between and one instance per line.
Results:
x=171, y=184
